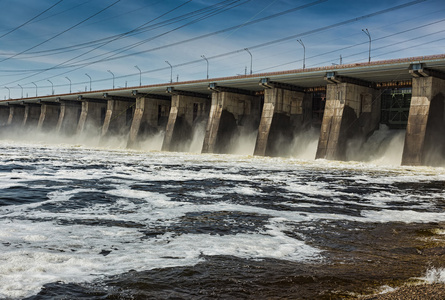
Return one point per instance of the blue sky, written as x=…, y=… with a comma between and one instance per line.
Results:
x=49, y=43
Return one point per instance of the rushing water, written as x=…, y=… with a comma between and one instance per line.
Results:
x=95, y=223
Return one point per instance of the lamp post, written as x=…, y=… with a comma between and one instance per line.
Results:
x=171, y=71
x=90, y=80
x=369, y=36
x=304, y=53
x=251, y=59
x=36, y=87
x=140, y=75
x=112, y=75
x=9, y=92
x=205, y=58
x=70, y=83
x=52, y=86
x=22, y=89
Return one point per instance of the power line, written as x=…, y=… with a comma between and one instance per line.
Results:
x=209, y=14
x=270, y=42
x=60, y=33
x=30, y=20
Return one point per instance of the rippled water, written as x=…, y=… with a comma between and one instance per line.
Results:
x=115, y=224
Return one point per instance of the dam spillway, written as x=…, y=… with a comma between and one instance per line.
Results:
x=343, y=103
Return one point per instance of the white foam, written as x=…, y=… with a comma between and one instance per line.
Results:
x=434, y=275
x=404, y=216
x=73, y=253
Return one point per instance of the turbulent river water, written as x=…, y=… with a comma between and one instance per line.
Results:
x=98, y=223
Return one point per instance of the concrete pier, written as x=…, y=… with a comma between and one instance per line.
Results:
x=119, y=115
x=68, y=117
x=230, y=108
x=4, y=115
x=352, y=112
x=188, y=109
x=150, y=116
x=32, y=115
x=424, y=143
x=92, y=115
x=16, y=115
x=49, y=115
x=286, y=111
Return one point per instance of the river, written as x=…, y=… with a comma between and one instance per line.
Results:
x=100, y=222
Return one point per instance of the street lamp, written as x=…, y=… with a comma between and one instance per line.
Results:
x=140, y=75
x=22, y=89
x=36, y=87
x=113, y=77
x=205, y=58
x=171, y=71
x=304, y=53
x=52, y=86
x=9, y=92
x=251, y=59
x=90, y=81
x=70, y=83
x=369, y=36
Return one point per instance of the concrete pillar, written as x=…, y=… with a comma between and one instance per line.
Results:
x=227, y=111
x=352, y=111
x=69, y=117
x=285, y=112
x=424, y=143
x=49, y=115
x=92, y=116
x=118, y=117
x=150, y=116
x=4, y=115
x=185, y=112
x=32, y=115
x=16, y=115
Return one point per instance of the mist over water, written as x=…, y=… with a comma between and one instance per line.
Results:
x=384, y=147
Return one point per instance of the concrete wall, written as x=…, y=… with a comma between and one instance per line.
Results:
x=91, y=117
x=68, y=117
x=352, y=112
x=285, y=112
x=185, y=113
x=424, y=142
x=150, y=116
x=118, y=117
x=4, y=115
x=227, y=112
x=49, y=115
x=32, y=115
x=16, y=115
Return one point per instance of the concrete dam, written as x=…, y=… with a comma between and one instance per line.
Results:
x=343, y=103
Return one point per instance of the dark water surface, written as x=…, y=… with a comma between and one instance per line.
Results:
x=80, y=223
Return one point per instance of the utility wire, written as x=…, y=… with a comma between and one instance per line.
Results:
x=138, y=30
x=114, y=57
x=30, y=20
x=60, y=33
x=210, y=14
x=286, y=38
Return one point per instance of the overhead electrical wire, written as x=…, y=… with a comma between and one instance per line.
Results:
x=30, y=20
x=140, y=29
x=359, y=44
x=262, y=44
x=60, y=33
x=211, y=13
x=294, y=36
x=110, y=57
x=322, y=54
